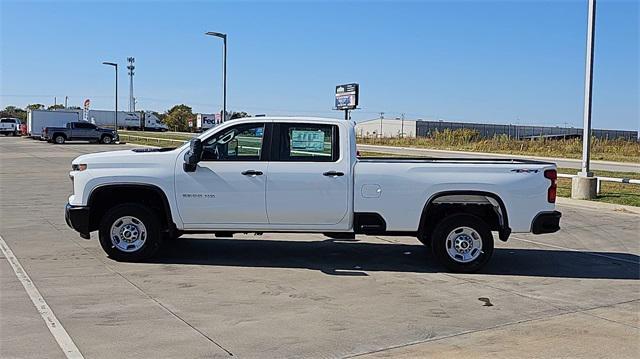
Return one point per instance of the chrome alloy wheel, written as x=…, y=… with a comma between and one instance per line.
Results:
x=128, y=234
x=464, y=244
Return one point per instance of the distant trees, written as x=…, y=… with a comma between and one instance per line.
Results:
x=178, y=117
x=240, y=114
x=35, y=106
x=56, y=107
x=15, y=112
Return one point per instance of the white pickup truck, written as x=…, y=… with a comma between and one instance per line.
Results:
x=10, y=126
x=304, y=175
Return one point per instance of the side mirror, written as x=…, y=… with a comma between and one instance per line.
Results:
x=193, y=156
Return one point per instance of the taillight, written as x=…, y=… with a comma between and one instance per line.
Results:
x=552, y=175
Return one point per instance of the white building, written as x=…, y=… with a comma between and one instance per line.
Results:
x=386, y=128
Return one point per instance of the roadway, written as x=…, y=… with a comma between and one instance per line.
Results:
x=574, y=293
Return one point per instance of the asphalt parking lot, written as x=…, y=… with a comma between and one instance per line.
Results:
x=575, y=293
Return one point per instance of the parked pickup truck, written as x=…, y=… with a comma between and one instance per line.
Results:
x=83, y=131
x=303, y=175
x=10, y=126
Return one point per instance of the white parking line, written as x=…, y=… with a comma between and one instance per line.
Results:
x=57, y=330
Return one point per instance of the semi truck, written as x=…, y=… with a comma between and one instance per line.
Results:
x=127, y=120
x=275, y=174
x=205, y=121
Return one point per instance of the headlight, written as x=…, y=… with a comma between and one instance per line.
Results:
x=78, y=167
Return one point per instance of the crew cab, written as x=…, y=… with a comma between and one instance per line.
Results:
x=10, y=126
x=303, y=175
x=83, y=131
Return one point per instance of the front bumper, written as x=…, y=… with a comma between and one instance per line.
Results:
x=546, y=222
x=77, y=217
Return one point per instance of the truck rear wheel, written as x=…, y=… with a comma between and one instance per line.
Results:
x=130, y=232
x=59, y=139
x=462, y=243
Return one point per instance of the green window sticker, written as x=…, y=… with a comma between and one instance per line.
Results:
x=307, y=140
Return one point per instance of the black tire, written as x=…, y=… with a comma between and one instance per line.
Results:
x=446, y=227
x=106, y=139
x=59, y=139
x=149, y=219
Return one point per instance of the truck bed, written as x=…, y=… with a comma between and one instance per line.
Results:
x=397, y=188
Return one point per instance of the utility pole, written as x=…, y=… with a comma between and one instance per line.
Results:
x=402, y=125
x=65, y=101
x=381, y=119
x=55, y=102
x=131, y=67
x=224, y=71
x=584, y=186
x=115, y=113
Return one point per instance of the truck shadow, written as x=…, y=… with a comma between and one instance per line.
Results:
x=354, y=258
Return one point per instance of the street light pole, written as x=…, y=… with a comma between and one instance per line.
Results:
x=116, y=111
x=224, y=71
x=588, y=86
x=584, y=185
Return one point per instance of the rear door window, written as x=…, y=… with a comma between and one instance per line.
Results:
x=308, y=142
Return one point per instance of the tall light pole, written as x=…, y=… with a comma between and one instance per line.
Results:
x=115, y=66
x=588, y=86
x=584, y=186
x=224, y=71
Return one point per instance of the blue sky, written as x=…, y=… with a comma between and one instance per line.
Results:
x=475, y=61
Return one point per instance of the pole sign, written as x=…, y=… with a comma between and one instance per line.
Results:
x=347, y=96
x=85, y=112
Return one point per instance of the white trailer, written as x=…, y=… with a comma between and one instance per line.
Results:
x=37, y=120
x=205, y=121
x=126, y=120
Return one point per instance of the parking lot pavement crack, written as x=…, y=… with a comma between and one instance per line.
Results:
x=503, y=325
x=172, y=313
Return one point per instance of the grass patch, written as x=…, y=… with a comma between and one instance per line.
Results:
x=150, y=141
x=152, y=134
x=610, y=192
x=467, y=140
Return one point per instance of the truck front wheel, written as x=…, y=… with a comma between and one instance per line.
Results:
x=462, y=243
x=106, y=139
x=130, y=232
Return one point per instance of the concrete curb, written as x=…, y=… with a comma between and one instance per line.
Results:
x=618, y=208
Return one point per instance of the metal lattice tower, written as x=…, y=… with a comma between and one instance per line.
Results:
x=131, y=67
